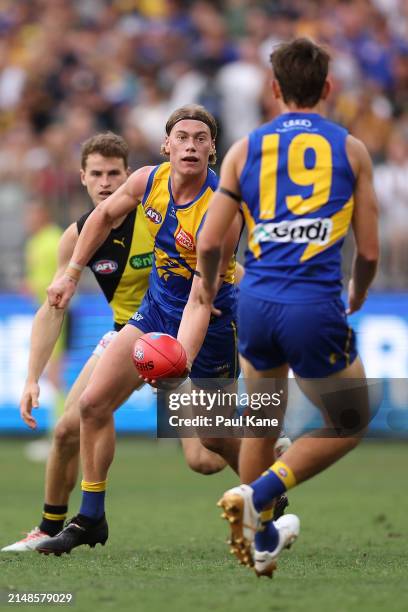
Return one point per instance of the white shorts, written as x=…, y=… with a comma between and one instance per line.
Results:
x=104, y=342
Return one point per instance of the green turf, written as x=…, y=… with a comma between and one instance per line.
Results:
x=166, y=550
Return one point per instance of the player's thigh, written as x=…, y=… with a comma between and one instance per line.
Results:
x=273, y=380
x=342, y=398
x=114, y=377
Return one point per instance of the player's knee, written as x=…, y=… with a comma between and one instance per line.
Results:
x=90, y=409
x=66, y=433
x=204, y=463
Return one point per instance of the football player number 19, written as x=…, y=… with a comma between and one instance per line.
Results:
x=318, y=177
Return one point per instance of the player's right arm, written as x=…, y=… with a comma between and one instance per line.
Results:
x=364, y=224
x=95, y=231
x=45, y=331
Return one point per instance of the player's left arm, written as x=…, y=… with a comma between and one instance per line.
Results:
x=221, y=212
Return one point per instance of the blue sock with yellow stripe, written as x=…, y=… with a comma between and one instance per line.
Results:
x=275, y=481
x=53, y=518
x=93, y=499
x=267, y=537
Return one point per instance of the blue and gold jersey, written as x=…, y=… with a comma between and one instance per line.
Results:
x=297, y=190
x=175, y=230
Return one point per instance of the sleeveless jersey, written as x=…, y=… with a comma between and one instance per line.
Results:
x=175, y=230
x=122, y=264
x=297, y=190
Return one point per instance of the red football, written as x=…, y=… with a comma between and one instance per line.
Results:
x=157, y=355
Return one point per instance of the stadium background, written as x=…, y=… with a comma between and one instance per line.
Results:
x=71, y=68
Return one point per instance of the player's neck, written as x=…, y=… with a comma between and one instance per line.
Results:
x=185, y=188
x=292, y=108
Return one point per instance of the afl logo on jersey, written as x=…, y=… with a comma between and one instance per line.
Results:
x=185, y=240
x=153, y=215
x=105, y=266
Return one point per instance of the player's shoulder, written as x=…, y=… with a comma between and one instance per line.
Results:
x=357, y=154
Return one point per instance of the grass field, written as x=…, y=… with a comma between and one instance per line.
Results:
x=166, y=549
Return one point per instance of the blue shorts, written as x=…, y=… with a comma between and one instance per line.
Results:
x=218, y=356
x=314, y=339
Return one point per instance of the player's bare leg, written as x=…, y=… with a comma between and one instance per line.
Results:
x=63, y=461
x=218, y=451
x=200, y=459
x=226, y=448
x=257, y=454
x=111, y=383
x=310, y=455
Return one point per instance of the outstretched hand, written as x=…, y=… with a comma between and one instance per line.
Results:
x=29, y=400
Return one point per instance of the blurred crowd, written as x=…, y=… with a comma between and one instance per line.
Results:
x=69, y=68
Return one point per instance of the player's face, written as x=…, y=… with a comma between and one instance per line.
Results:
x=102, y=176
x=189, y=146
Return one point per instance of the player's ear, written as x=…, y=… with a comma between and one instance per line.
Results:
x=327, y=87
x=128, y=171
x=82, y=177
x=166, y=148
x=213, y=150
x=276, y=89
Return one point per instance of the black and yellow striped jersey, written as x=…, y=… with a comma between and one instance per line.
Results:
x=122, y=264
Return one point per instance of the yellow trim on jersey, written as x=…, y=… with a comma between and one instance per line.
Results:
x=158, y=198
x=347, y=346
x=341, y=222
x=234, y=331
x=93, y=487
x=250, y=223
x=134, y=281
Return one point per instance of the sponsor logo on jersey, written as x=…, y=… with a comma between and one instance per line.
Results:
x=297, y=123
x=314, y=231
x=120, y=241
x=153, y=215
x=105, y=266
x=139, y=262
x=139, y=354
x=185, y=240
x=137, y=316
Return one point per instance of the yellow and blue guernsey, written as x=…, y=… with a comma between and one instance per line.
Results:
x=297, y=190
x=175, y=230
